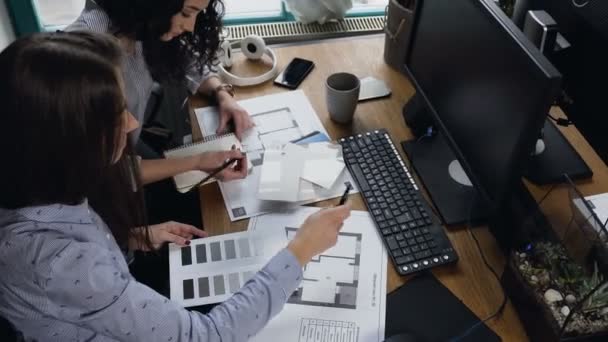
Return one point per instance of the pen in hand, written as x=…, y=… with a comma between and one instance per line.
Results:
x=213, y=173
x=345, y=194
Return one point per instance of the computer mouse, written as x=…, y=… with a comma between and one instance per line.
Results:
x=404, y=337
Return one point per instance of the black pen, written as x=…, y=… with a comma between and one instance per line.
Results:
x=345, y=194
x=215, y=172
x=311, y=134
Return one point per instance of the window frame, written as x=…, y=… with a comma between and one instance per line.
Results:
x=25, y=18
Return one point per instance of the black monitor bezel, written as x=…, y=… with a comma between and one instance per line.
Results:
x=528, y=140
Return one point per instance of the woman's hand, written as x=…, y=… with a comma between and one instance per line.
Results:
x=231, y=110
x=209, y=161
x=160, y=234
x=318, y=233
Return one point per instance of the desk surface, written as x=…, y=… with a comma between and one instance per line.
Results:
x=469, y=279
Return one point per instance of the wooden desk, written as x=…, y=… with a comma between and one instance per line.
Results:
x=469, y=279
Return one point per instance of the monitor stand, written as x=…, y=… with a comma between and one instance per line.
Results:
x=445, y=180
x=555, y=157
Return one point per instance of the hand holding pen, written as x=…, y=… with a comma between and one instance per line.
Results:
x=223, y=165
x=344, y=197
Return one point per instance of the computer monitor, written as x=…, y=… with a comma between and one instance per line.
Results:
x=488, y=90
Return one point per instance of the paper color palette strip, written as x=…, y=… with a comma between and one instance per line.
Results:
x=210, y=270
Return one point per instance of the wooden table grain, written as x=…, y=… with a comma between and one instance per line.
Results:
x=469, y=279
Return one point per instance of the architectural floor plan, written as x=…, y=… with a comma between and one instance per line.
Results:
x=336, y=289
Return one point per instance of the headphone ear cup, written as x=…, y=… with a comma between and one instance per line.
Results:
x=226, y=54
x=253, y=47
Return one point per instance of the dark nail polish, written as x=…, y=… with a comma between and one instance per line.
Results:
x=187, y=242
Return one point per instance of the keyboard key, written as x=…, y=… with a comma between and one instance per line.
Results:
x=387, y=213
x=359, y=177
x=423, y=254
x=415, y=213
x=420, y=239
x=401, y=260
x=402, y=243
x=392, y=243
x=406, y=250
x=386, y=231
x=399, y=237
x=395, y=229
x=397, y=253
x=405, y=218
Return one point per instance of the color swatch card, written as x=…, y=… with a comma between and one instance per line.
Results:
x=210, y=270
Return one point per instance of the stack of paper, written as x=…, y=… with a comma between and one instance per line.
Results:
x=279, y=119
x=291, y=172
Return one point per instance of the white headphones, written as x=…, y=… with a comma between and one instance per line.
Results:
x=253, y=47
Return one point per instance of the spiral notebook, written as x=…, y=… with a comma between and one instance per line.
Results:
x=187, y=180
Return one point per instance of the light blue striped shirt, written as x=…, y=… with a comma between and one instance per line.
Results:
x=64, y=278
x=136, y=75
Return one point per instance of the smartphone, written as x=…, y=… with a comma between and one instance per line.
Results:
x=295, y=73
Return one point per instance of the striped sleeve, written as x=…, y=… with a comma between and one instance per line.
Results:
x=91, y=19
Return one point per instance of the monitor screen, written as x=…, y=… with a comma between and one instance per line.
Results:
x=486, y=87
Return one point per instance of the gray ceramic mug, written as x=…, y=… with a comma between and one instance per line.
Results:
x=342, y=95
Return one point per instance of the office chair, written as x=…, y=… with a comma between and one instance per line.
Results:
x=9, y=333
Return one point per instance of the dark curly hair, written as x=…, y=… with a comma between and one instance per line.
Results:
x=147, y=20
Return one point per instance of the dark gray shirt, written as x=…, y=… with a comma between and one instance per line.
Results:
x=137, y=78
x=64, y=278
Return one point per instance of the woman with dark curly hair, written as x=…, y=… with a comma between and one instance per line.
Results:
x=168, y=41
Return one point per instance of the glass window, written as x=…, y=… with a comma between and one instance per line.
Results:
x=370, y=7
x=253, y=9
x=58, y=13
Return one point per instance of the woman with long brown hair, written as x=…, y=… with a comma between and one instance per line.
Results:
x=70, y=209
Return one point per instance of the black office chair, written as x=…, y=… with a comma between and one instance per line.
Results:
x=8, y=332
x=166, y=119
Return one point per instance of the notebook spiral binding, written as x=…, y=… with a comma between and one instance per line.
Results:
x=205, y=140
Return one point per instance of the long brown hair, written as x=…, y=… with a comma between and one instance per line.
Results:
x=62, y=111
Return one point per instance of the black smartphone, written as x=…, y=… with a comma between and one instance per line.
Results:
x=294, y=73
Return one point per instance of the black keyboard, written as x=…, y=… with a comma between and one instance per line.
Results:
x=415, y=239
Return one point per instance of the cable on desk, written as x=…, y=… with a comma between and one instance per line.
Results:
x=503, y=304
x=560, y=121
